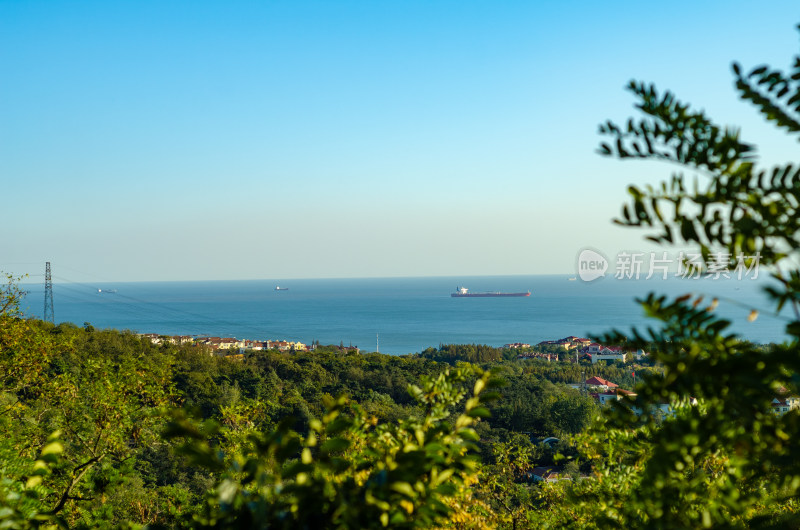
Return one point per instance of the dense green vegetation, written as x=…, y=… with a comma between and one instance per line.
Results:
x=104, y=428
x=730, y=461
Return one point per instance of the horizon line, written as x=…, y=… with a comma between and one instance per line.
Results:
x=63, y=280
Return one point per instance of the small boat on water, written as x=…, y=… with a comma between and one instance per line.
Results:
x=463, y=292
x=279, y=288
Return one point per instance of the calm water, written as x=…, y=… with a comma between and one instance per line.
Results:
x=406, y=314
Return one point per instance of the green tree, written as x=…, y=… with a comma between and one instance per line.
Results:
x=729, y=461
x=348, y=471
x=506, y=484
x=100, y=390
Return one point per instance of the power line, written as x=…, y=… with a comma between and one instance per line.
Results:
x=133, y=305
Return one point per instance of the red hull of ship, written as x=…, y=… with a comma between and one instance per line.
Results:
x=487, y=295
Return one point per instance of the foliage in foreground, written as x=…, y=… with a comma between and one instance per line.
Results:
x=111, y=394
x=349, y=471
x=728, y=461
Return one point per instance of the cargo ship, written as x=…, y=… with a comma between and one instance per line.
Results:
x=463, y=292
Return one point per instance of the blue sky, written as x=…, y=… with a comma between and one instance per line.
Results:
x=167, y=140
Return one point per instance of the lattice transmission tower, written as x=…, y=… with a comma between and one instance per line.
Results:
x=48, y=296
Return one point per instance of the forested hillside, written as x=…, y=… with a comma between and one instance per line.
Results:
x=103, y=427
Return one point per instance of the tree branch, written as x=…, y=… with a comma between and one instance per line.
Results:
x=66, y=495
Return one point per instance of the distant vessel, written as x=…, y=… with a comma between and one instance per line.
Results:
x=572, y=279
x=100, y=291
x=463, y=292
x=279, y=288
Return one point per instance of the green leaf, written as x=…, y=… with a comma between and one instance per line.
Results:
x=479, y=412
x=334, y=445
x=404, y=488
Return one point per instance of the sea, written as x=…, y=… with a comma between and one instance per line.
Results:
x=397, y=315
